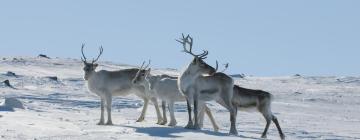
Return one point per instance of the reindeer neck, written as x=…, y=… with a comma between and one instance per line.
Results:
x=93, y=75
x=188, y=76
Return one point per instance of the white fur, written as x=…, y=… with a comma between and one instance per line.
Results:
x=165, y=88
x=107, y=84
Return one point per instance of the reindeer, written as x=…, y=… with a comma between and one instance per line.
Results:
x=200, y=82
x=165, y=88
x=107, y=84
x=247, y=98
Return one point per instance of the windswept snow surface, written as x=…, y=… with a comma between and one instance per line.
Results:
x=307, y=107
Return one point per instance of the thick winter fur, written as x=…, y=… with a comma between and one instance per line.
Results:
x=107, y=84
x=247, y=98
x=199, y=83
x=166, y=89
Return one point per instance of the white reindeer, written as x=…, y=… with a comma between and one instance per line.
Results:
x=200, y=83
x=107, y=84
x=247, y=98
x=166, y=89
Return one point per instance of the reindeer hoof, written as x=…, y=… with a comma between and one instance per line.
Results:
x=140, y=120
x=189, y=126
x=109, y=123
x=197, y=127
x=264, y=136
x=159, y=122
x=100, y=123
x=163, y=123
x=233, y=132
x=172, y=124
x=282, y=137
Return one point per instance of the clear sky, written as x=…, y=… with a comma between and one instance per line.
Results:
x=262, y=38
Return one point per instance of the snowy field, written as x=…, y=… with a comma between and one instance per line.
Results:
x=307, y=107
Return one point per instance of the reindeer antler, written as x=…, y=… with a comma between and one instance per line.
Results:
x=83, y=58
x=217, y=66
x=149, y=62
x=226, y=66
x=101, y=51
x=141, y=68
x=189, y=40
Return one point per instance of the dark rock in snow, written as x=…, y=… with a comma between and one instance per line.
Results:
x=43, y=56
x=53, y=78
x=7, y=83
x=9, y=73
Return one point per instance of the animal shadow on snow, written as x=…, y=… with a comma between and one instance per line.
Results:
x=170, y=132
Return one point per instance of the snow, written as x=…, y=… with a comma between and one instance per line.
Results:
x=308, y=107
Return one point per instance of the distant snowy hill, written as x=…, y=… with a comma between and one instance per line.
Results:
x=308, y=107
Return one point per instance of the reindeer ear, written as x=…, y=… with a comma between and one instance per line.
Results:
x=95, y=65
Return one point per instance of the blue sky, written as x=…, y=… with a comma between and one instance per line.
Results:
x=263, y=38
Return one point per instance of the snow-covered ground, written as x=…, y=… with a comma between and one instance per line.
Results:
x=307, y=107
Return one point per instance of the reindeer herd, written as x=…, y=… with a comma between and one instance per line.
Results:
x=197, y=84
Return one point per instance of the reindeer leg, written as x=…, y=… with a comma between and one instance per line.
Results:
x=201, y=115
x=274, y=119
x=233, y=130
x=196, y=114
x=163, y=106
x=268, y=121
x=102, y=107
x=108, y=107
x=190, y=124
x=233, y=111
x=143, y=112
x=158, y=113
x=228, y=102
x=172, y=114
x=213, y=122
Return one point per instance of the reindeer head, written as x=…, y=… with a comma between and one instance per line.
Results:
x=197, y=65
x=142, y=75
x=89, y=67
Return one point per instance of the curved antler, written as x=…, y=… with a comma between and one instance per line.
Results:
x=83, y=58
x=204, y=54
x=226, y=66
x=141, y=68
x=217, y=66
x=189, y=40
x=147, y=64
x=101, y=51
